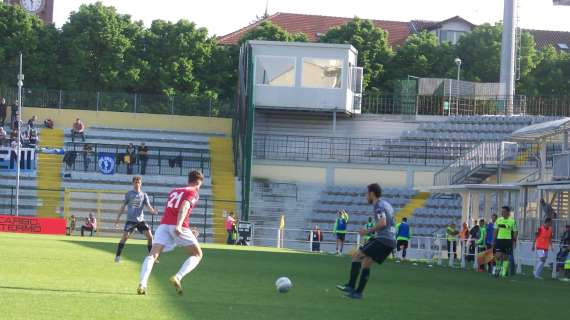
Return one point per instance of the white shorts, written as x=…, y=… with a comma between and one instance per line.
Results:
x=166, y=236
x=541, y=254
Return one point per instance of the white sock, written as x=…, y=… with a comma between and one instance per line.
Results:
x=188, y=266
x=146, y=269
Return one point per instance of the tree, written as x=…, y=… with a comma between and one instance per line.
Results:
x=98, y=48
x=24, y=33
x=374, y=51
x=551, y=75
x=268, y=31
x=422, y=56
x=480, y=52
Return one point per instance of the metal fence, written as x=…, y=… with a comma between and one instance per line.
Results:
x=465, y=105
x=357, y=150
x=187, y=105
x=161, y=161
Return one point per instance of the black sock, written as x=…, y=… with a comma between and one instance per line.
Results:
x=354, y=271
x=363, y=279
x=120, y=248
x=149, y=246
x=403, y=253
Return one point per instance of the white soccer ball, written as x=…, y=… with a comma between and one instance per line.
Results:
x=283, y=284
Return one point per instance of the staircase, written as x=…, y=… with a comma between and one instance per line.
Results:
x=416, y=202
x=483, y=161
x=223, y=183
x=49, y=175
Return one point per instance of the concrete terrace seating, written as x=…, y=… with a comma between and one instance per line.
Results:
x=473, y=128
x=353, y=200
x=436, y=214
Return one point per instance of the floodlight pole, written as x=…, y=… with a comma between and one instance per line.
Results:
x=458, y=63
x=18, y=139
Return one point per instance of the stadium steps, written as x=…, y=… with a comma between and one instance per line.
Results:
x=417, y=201
x=49, y=174
x=223, y=183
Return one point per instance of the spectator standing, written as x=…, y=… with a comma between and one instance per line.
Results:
x=33, y=139
x=563, y=256
x=463, y=236
x=78, y=129
x=3, y=111
x=547, y=209
x=143, y=157
x=71, y=225
x=542, y=244
x=231, y=228
x=451, y=235
x=87, y=150
x=316, y=238
x=90, y=225
x=32, y=123
x=340, y=228
x=3, y=136
x=14, y=115
x=13, y=152
x=481, y=242
x=130, y=158
x=473, y=238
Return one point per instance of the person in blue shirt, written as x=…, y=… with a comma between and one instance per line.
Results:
x=489, y=239
x=403, y=235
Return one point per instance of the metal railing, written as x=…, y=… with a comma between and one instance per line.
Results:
x=180, y=104
x=357, y=150
x=160, y=160
x=445, y=105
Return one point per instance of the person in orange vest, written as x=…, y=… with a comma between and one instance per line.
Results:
x=541, y=245
x=463, y=236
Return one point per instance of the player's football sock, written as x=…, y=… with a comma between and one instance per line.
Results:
x=404, y=253
x=354, y=271
x=146, y=269
x=188, y=266
x=505, y=268
x=363, y=280
x=149, y=246
x=120, y=249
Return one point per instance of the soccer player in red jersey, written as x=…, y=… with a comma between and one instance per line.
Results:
x=174, y=231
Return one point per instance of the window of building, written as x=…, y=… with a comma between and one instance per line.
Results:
x=322, y=73
x=450, y=36
x=275, y=71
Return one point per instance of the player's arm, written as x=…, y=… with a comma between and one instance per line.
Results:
x=121, y=211
x=148, y=206
x=182, y=212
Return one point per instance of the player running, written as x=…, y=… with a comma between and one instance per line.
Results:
x=403, y=235
x=135, y=201
x=376, y=249
x=505, y=237
x=542, y=243
x=174, y=231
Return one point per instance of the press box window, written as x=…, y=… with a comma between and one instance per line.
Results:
x=322, y=73
x=275, y=71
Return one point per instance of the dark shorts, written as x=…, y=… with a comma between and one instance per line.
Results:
x=504, y=246
x=376, y=250
x=401, y=243
x=141, y=227
x=341, y=236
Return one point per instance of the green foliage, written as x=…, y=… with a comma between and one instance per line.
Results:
x=551, y=75
x=271, y=32
x=422, y=56
x=374, y=51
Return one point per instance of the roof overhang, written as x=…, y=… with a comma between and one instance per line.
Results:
x=475, y=188
x=541, y=131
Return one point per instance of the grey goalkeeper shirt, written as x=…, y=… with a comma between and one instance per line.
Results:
x=135, y=202
x=386, y=235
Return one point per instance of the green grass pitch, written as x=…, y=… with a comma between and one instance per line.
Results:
x=49, y=277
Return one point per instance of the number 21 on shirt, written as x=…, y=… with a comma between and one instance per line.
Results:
x=174, y=200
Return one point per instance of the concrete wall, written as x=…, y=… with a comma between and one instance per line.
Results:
x=64, y=118
x=343, y=174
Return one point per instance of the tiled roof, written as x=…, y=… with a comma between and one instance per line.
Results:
x=545, y=37
x=314, y=26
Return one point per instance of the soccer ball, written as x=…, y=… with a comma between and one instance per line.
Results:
x=283, y=284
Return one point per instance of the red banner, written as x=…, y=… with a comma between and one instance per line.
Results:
x=24, y=224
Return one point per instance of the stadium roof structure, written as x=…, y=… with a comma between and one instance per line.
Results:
x=541, y=131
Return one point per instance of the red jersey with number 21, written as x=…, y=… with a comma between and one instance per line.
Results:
x=176, y=198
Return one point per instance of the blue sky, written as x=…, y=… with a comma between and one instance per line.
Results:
x=224, y=16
